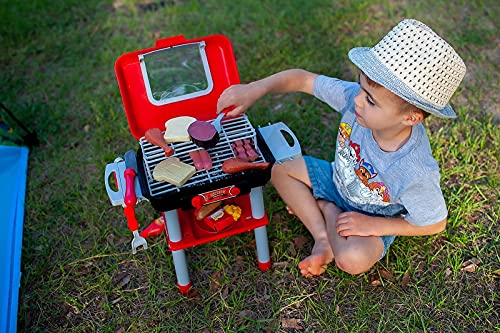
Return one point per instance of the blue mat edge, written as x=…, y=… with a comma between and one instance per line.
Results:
x=8, y=315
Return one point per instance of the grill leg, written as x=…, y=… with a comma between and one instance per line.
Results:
x=181, y=271
x=262, y=245
x=257, y=204
x=173, y=226
x=179, y=256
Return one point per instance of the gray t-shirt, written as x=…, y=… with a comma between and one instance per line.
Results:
x=401, y=183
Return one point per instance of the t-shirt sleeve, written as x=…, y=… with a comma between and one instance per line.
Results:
x=424, y=201
x=335, y=92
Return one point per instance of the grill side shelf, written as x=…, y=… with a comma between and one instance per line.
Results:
x=116, y=193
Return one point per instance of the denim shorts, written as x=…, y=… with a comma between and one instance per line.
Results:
x=321, y=177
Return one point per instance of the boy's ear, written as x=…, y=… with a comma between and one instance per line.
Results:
x=413, y=118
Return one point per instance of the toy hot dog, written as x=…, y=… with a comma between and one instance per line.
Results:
x=207, y=161
x=201, y=159
x=235, y=165
x=195, y=156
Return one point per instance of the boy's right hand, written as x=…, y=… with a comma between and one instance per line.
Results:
x=243, y=96
x=239, y=96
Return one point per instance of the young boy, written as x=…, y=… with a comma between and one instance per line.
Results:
x=384, y=181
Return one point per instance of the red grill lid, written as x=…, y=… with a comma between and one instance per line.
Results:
x=177, y=77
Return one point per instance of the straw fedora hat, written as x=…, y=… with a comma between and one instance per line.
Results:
x=413, y=62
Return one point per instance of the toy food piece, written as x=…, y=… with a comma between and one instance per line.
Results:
x=173, y=171
x=201, y=159
x=203, y=134
x=223, y=218
x=154, y=137
x=154, y=229
x=245, y=150
x=235, y=165
x=176, y=129
x=233, y=210
x=207, y=160
x=197, y=161
x=206, y=210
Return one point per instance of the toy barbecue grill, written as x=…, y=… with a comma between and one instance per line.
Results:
x=166, y=90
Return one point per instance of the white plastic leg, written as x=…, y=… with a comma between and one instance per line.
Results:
x=179, y=256
x=173, y=226
x=181, y=270
x=257, y=202
x=262, y=244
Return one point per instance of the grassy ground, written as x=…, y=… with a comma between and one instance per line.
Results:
x=78, y=273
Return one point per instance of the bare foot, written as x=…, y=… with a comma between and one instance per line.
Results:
x=316, y=263
x=289, y=211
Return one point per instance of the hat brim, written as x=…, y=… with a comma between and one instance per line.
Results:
x=366, y=60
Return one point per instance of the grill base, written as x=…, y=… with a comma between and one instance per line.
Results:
x=184, y=231
x=195, y=233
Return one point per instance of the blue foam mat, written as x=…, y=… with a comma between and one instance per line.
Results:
x=13, y=172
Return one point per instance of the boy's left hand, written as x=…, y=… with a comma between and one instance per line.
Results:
x=355, y=224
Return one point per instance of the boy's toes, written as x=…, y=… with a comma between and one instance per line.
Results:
x=312, y=265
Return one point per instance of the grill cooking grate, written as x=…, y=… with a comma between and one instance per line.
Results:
x=232, y=129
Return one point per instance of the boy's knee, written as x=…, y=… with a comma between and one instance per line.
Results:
x=351, y=261
x=279, y=170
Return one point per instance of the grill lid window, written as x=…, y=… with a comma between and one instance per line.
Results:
x=176, y=73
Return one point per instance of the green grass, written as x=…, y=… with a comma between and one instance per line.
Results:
x=78, y=273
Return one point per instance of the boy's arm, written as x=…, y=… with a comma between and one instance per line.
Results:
x=242, y=96
x=357, y=224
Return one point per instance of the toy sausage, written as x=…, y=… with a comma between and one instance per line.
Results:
x=206, y=160
x=235, y=165
x=197, y=159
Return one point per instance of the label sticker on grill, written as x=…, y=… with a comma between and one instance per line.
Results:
x=215, y=195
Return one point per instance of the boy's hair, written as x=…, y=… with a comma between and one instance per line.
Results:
x=405, y=107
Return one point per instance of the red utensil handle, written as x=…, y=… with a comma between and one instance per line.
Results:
x=130, y=197
x=132, y=223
